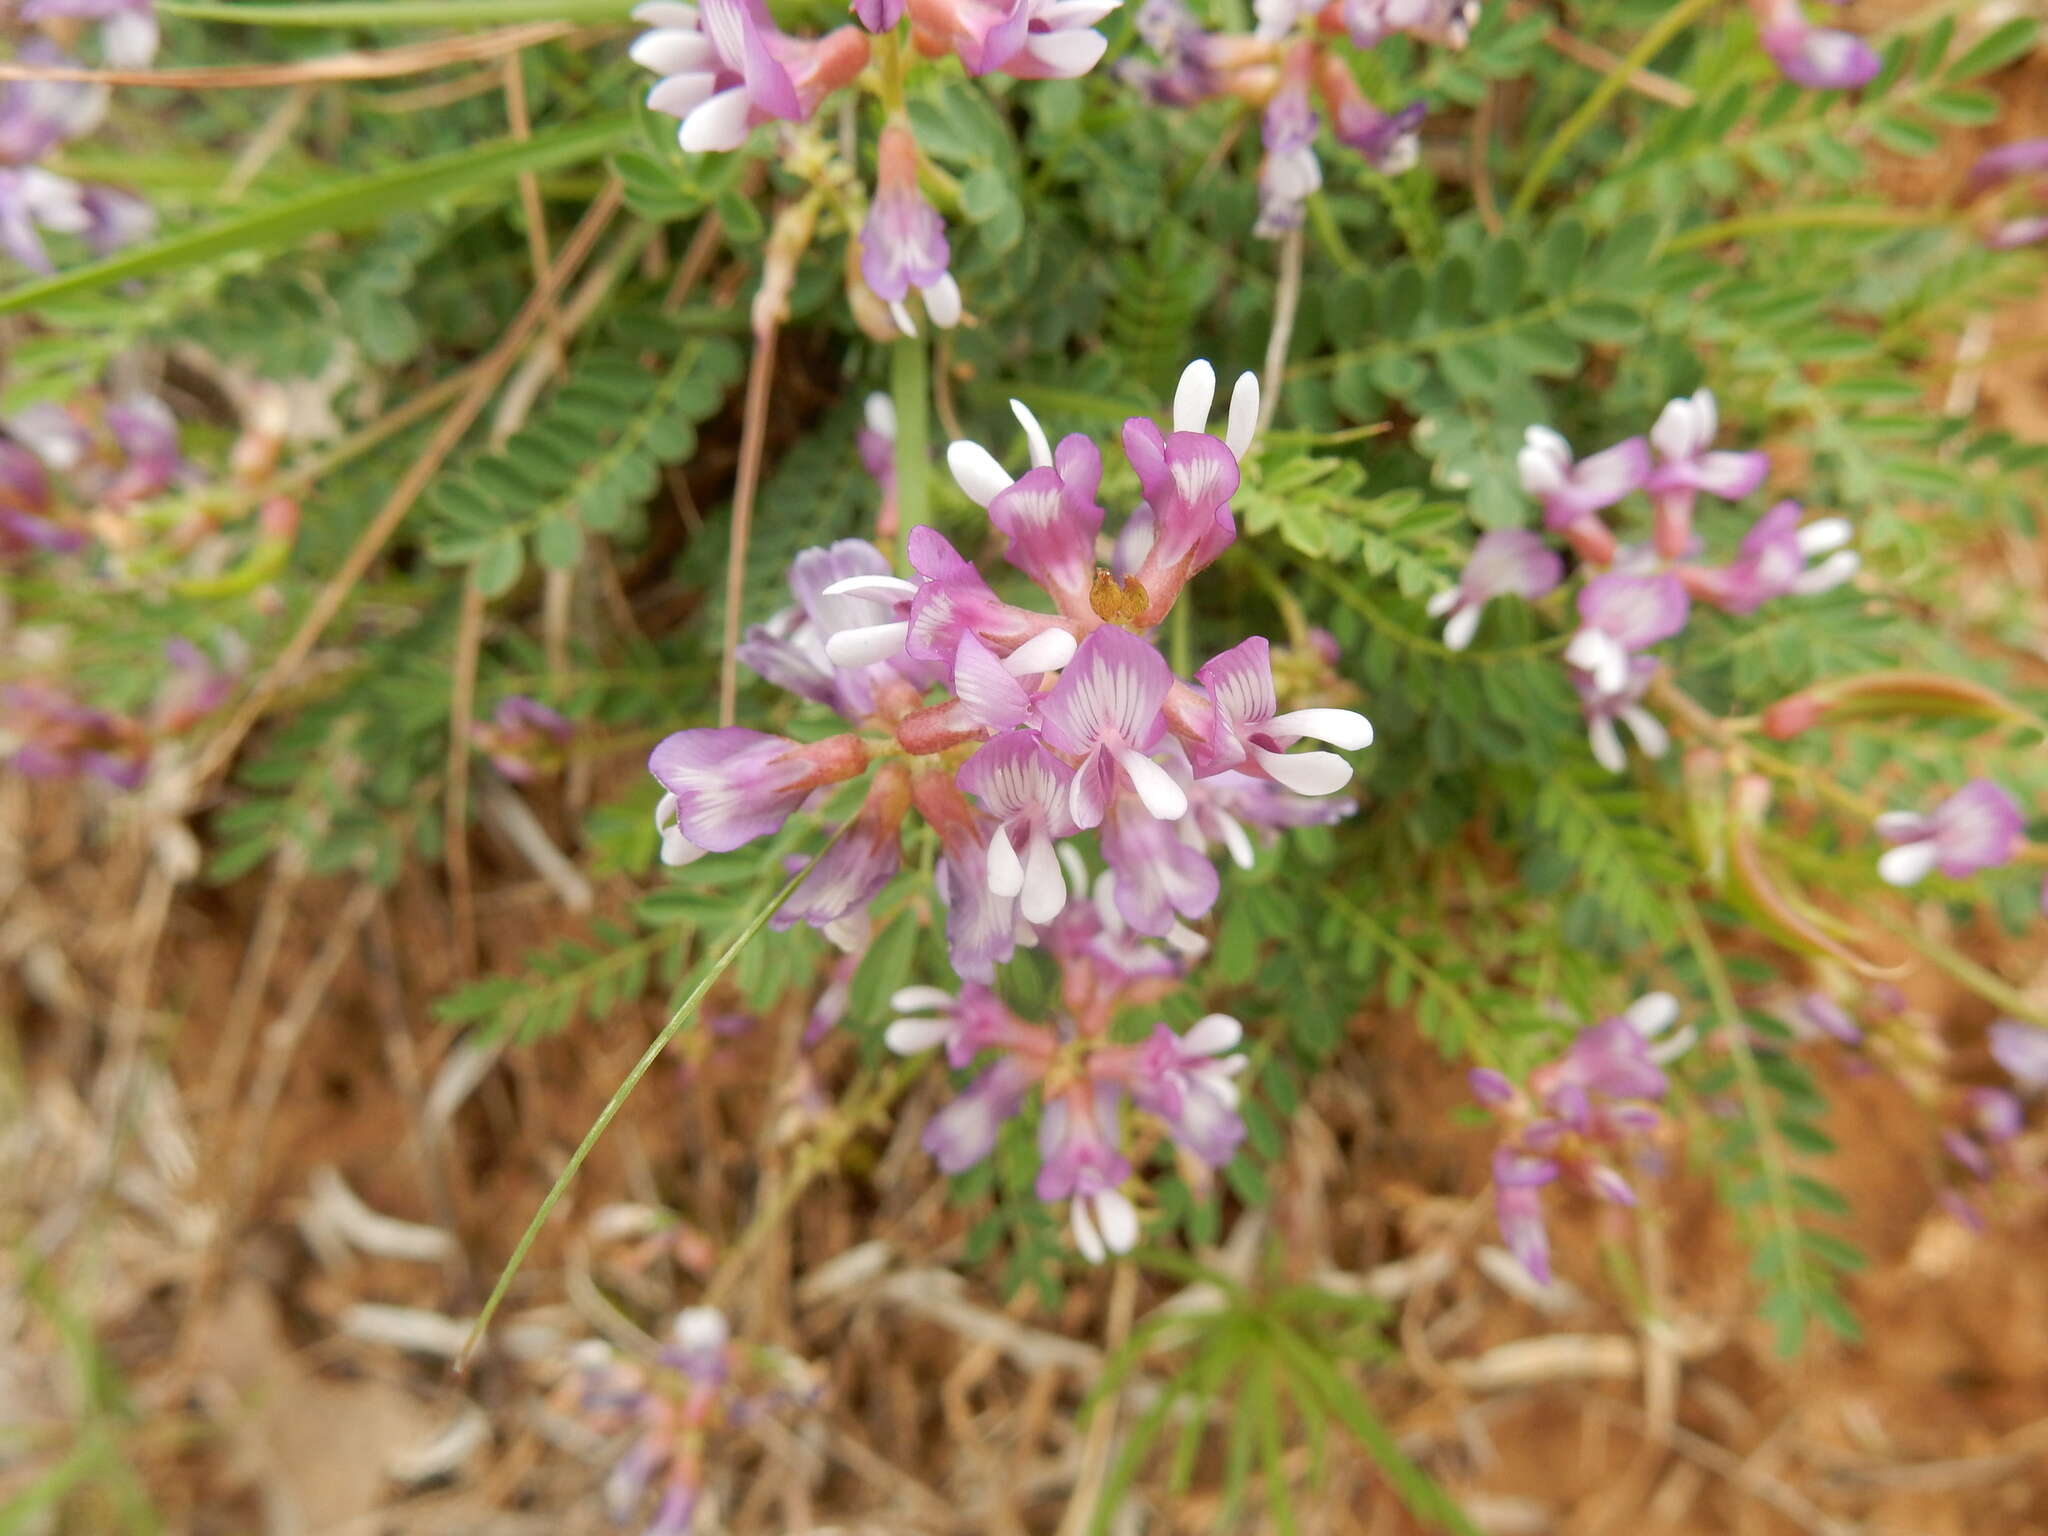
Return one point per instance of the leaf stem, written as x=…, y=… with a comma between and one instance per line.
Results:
x=602, y=1123
x=910, y=392
x=1611, y=85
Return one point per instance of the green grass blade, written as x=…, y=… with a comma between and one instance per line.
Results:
x=395, y=13
x=349, y=204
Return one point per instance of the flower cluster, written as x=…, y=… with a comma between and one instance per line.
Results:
x=1282, y=68
x=1576, y=1116
x=38, y=116
x=1819, y=58
x=673, y=1407
x=2023, y=164
x=1046, y=725
x=1096, y=1094
x=46, y=732
x=1635, y=597
x=59, y=463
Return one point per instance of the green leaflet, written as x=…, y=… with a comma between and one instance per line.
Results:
x=354, y=203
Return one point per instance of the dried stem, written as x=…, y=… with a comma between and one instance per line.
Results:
x=370, y=543
x=1286, y=299
x=753, y=439
x=469, y=635
x=378, y=64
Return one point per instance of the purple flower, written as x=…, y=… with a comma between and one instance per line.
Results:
x=733, y=786
x=1445, y=22
x=699, y=1345
x=878, y=15
x=1187, y=477
x=964, y=1132
x=1026, y=791
x=1687, y=465
x=1390, y=141
x=1189, y=68
x=1603, y=707
x=1518, y=1209
x=1249, y=733
x=522, y=737
x=1573, y=492
x=2022, y=157
x=903, y=244
x=26, y=520
x=38, y=115
x=1028, y=39
x=836, y=588
x=1190, y=1082
x=1157, y=874
x=726, y=68
x=966, y=1025
x=49, y=734
x=1079, y=1161
x=1999, y=1115
x=1773, y=562
x=1620, y=615
x=952, y=598
x=194, y=689
x=2022, y=1049
x=32, y=201
x=128, y=28
x=1819, y=58
x=1978, y=827
x=854, y=870
x=1818, y=1014
x=1051, y=517
x=981, y=925
x=1507, y=561
x=1290, y=173
x=1105, y=710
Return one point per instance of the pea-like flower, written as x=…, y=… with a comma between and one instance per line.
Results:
x=1976, y=828
x=903, y=244
x=726, y=68
x=1506, y=562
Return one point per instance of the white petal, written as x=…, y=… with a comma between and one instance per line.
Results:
x=917, y=999
x=1075, y=865
x=1907, y=864
x=1306, y=773
x=879, y=412
x=1068, y=55
x=1155, y=786
x=1118, y=1219
x=1044, y=894
x=1681, y=1041
x=1184, y=941
x=912, y=1037
x=671, y=51
x=1443, y=602
x=1345, y=728
x=1047, y=651
x=900, y=313
x=942, y=302
x=1005, y=872
x=1829, y=574
x=1193, y=397
x=680, y=95
x=1652, y=1013
x=1823, y=535
x=1212, y=1034
x=699, y=1328
x=1034, y=434
x=1085, y=1236
x=1648, y=731
x=721, y=123
x=976, y=472
x=664, y=812
x=1463, y=626
x=1244, y=414
x=1606, y=742
x=1238, y=845
x=1898, y=826
x=881, y=589
x=1063, y=15
x=866, y=646
x=677, y=850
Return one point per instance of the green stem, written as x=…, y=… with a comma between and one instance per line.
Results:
x=1652, y=43
x=910, y=390
x=1750, y=1084
x=602, y=1123
x=1840, y=216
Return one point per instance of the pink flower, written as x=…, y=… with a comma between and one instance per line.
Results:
x=1773, y=562
x=1620, y=615
x=726, y=68
x=1573, y=492
x=1978, y=827
x=1105, y=710
x=1507, y=561
x=733, y=786
x=1190, y=1082
x=1819, y=58
x=2022, y=1049
x=1051, y=517
x=1249, y=732
x=1030, y=39
x=1079, y=1161
x=1687, y=465
x=1026, y=791
x=903, y=244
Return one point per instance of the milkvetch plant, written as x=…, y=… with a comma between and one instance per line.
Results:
x=747, y=459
